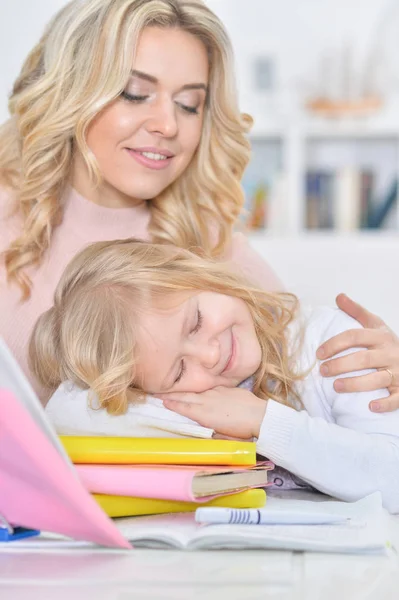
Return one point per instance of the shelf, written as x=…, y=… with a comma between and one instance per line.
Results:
x=378, y=236
x=325, y=131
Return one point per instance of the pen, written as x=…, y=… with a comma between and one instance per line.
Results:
x=253, y=516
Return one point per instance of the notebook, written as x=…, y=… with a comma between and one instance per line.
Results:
x=171, y=482
x=166, y=451
x=365, y=530
x=39, y=488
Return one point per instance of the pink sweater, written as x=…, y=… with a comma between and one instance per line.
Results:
x=83, y=223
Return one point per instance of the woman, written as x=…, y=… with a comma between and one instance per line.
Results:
x=124, y=122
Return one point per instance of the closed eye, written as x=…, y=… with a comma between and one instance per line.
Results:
x=192, y=110
x=181, y=372
x=133, y=98
x=199, y=322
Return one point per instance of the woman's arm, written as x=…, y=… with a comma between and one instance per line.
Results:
x=382, y=353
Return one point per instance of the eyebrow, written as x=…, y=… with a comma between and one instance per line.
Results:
x=182, y=330
x=152, y=79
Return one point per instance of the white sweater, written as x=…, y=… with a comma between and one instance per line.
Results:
x=336, y=444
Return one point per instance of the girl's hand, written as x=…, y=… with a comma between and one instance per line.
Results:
x=382, y=353
x=232, y=412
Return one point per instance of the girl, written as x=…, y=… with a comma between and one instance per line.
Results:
x=132, y=318
x=124, y=122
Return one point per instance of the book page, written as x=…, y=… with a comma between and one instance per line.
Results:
x=155, y=531
x=365, y=531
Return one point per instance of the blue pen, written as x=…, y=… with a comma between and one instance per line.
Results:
x=264, y=516
x=8, y=533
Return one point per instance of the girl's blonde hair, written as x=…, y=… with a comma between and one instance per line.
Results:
x=89, y=335
x=81, y=64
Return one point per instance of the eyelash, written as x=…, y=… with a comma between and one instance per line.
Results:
x=195, y=330
x=192, y=110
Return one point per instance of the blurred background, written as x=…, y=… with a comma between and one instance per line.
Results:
x=321, y=80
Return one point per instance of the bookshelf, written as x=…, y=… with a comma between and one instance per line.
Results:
x=357, y=159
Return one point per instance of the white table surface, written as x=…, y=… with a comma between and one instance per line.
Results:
x=158, y=574
x=102, y=574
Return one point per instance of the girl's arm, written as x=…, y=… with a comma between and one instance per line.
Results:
x=381, y=351
x=337, y=444
x=340, y=461
x=349, y=459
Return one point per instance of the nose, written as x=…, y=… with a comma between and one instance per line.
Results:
x=163, y=118
x=207, y=353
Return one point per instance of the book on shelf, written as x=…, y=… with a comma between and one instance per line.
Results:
x=319, y=200
x=346, y=200
x=255, y=212
x=40, y=487
x=129, y=506
x=171, y=482
x=380, y=213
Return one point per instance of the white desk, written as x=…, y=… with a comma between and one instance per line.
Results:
x=100, y=574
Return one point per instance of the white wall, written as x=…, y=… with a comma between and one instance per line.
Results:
x=21, y=25
x=298, y=33
x=318, y=267
x=294, y=32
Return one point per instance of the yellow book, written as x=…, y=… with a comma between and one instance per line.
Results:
x=127, y=506
x=165, y=451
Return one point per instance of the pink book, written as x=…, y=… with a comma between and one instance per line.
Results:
x=39, y=487
x=170, y=482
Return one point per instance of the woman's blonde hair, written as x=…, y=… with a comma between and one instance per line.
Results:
x=81, y=64
x=89, y=336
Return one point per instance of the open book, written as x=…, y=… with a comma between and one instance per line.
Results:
x=364, y=531
x=39, y=487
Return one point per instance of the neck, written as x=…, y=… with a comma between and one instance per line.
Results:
x=104, y=194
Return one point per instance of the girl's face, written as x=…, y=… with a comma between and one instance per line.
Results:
x=145, y=139
x=198, y=343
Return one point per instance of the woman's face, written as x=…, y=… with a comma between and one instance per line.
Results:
x=146, y=138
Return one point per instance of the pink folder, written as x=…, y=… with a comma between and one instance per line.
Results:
x=39, y=489
x=167, y=482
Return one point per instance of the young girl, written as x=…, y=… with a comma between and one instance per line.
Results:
x=131, y=318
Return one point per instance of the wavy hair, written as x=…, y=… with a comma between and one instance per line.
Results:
x=89, y=336
x=82, y=64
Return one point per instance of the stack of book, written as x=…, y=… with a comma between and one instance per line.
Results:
x=142, y=476
x=41, y=488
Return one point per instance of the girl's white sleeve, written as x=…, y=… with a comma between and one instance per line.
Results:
x=348, y=453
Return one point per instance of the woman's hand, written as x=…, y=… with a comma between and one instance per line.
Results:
x=382, y=353
x=232, y=412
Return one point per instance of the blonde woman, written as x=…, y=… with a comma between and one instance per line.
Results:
x=132, y=318
x=124, y=122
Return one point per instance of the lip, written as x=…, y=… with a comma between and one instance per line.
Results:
x=150, y=162
x=231, y=359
